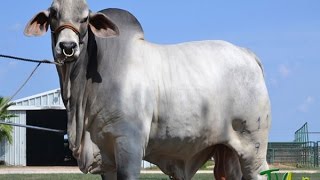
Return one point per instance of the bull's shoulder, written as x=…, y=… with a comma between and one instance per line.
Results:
x=127, y=23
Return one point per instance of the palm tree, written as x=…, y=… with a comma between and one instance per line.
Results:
x=5, y=130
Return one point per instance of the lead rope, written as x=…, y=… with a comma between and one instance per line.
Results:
x=31, y=60
x=31, y=74
x=19, y=89
x=24, y=83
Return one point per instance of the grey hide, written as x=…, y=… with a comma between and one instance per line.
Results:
x=173, y=105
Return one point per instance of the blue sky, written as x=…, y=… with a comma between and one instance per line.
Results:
x=284, y=34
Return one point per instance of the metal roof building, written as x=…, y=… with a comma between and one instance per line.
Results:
x=29, y=147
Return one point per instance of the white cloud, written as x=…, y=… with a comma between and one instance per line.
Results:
x=13, y=63
x=310, y=99
x=273, y=82
x=305, y=106
x=16, y=27
x=284, y=71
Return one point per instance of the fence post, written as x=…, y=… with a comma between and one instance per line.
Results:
x=317, y=154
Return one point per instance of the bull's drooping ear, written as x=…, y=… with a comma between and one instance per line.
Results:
x=38, y=25
x=102, y=26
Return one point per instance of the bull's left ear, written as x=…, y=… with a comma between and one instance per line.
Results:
x=38, y=25
x=102, y=26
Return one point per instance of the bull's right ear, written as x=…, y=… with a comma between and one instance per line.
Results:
x=102, y=26
x=38, y=25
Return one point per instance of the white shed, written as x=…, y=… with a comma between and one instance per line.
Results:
x=35, y=110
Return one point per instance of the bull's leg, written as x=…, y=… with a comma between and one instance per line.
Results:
x=251, y=167
x=109, y=176
x=227, y=164
x=252, y=155
x=128, y=155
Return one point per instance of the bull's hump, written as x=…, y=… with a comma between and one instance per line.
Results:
x=126, y=22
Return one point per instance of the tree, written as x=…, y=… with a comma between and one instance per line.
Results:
x=5, y=130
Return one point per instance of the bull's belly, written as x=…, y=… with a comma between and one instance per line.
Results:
x=189, y=126
x=182, y=146
x=179, y=156
x=174, y=148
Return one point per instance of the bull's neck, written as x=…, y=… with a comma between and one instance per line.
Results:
x=73, y=75
x=82, y=73
x=74, y=81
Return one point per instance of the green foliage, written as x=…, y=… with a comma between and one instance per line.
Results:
x=5, y=130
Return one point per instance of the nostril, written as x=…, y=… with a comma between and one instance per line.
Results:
x=68, y=47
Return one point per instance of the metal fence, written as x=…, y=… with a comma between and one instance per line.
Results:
x=298, y=154
x=318, y=158
x=302, y=134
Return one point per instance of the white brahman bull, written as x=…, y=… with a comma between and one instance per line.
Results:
x=173, y=105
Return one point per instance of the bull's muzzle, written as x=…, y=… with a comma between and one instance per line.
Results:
x=68, y=48
x=67, y=45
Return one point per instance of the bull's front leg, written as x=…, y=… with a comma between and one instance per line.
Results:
x=128, y=157
x=112, y=175
x=128, y=141
x=128, y=154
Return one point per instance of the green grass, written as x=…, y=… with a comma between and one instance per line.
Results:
x=88, y=177
x=49, y=177
x=298, y=176
x=143, y=177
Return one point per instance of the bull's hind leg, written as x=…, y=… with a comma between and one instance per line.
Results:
x=251, y=149
x=252, y=165
x=227, y=166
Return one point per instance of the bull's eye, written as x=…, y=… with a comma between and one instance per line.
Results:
x=53, y=14
x=84, y=20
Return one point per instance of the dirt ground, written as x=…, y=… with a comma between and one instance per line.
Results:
x=39, y=170
x=75, y=169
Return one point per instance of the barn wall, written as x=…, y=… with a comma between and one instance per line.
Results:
x=44, y=100
x=2, y=150
x=15, y=153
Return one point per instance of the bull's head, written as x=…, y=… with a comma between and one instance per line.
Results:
x=69, y=21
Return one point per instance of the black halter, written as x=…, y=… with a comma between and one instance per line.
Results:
x=57, y=31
